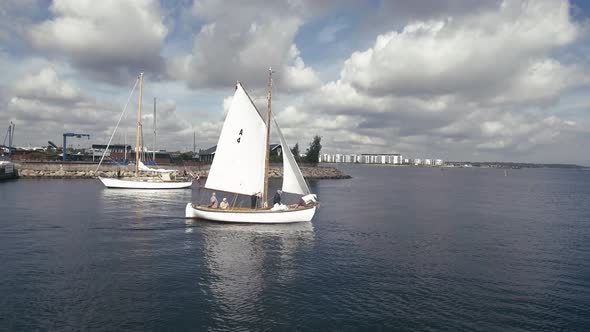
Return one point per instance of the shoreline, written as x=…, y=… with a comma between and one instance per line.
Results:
x=87, y=171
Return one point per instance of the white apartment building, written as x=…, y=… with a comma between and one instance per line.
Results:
x=382, y=158
x=365, y=158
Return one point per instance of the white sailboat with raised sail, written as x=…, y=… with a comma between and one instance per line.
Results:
x=164, y=179
x=241, y=165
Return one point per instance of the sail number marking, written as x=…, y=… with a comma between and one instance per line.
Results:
x=240, y=135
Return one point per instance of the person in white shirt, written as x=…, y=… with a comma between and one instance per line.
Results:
x=224, y=204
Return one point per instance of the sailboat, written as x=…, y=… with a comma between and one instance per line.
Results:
x=241, y=165
x=165, y=179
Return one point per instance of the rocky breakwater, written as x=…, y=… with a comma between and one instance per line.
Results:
x=56, y=170
x=316, y=172
x=81, y=171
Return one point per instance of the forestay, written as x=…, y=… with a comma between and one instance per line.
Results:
x=293, y=181
x=238, y=165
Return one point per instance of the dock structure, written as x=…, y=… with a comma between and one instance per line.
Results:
x=7, y=170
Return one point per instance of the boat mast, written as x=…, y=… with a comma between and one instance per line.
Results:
x=125, y=143
x=138, y=133
x=155, y=137
x=267, y=147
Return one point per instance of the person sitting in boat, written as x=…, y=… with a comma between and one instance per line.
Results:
x=213, y=202
x=224, y=204
x=277, y=197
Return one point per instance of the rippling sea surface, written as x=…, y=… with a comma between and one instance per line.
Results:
x=390, y=249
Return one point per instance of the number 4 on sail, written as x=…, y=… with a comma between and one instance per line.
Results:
x=241, y=164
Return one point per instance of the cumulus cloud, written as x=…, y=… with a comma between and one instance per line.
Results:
x=243, y=43
x=44, y=105
x=455, y=78
x=486, y=80
x=46, y=85
x=15, y=18
x=468, y=56
x=111, y=40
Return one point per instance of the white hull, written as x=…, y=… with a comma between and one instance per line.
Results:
x=251, y=216
x=129, y=184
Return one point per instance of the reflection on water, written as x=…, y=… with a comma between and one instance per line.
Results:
x=146, y=195
x=146, y=202
x=304, y=229
x=146, y=209
x=250, y=263
x=463, y=249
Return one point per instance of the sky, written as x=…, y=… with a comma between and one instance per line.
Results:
x=453, y=79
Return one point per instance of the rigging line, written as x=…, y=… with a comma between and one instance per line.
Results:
x=276, y=92
x=117, y=126
x=5, y=136
x=235, y=200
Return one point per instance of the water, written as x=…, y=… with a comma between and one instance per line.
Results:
x=390, y=249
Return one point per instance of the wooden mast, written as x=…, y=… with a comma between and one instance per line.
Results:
x=267, y=148
x=155, y=135
x=138, y=133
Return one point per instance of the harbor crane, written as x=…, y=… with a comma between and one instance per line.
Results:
x=64, y=149
x=10, y=136
x=53, y=145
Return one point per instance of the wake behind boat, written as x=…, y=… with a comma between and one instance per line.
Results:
x=241, y=164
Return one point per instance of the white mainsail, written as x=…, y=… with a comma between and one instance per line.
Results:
x=293, y=181
x=238, y=165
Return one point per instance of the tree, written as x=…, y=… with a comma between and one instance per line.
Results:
x=313, y=152
x=295, y=151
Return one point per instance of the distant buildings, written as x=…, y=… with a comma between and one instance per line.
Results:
x=125, y=152
x=207, y=155
x=381, y=158
x=117, y=152
x=365, y=158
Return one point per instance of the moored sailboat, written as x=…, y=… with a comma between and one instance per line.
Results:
x=241, y=167
x=164, y=179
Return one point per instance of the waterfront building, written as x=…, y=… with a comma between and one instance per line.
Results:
x=207, y=155
x=385, y=158
x=382, y=158
x=116, y=152
x=365, y=158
